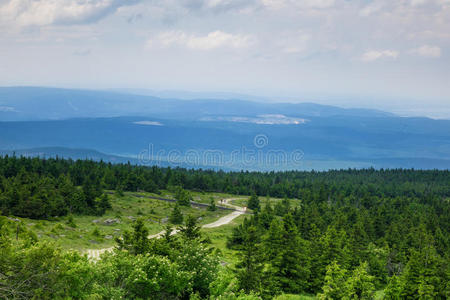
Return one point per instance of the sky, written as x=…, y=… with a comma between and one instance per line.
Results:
x=386, y=54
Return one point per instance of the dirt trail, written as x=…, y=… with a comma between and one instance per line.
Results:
x=95, y=254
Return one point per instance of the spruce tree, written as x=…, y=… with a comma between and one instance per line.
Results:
x=253, y=202
x=334, y=283
x=361, y=284
x=183, y=197
x=137, y=241
x=190, y=230
x=250, y=266
x=212, y=205
x=290, y=267
x=177, y=216
x=394, y=288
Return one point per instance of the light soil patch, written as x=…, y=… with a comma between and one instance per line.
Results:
x=95, y=254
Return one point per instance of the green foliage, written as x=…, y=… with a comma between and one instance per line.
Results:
x=253, y=203
x=282, y=208
x=195, y=258
x=43, y=272
x=311, y=241
x=393, y=289
x=120, y=276
x=183, y=197
x=136, y=242
x=360, y=284
x=250, y=266
x=70, y=222
x=190, y=230
x=212, y=205
x=176, y=216
x=335, y=282
x=290, y=266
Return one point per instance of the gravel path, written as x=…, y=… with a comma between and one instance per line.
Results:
x=95, y=254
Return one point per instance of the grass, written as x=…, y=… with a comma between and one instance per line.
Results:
x=92, y=232
x=242, y=201
x=219, y=237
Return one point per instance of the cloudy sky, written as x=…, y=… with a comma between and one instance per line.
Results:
x=387, y=54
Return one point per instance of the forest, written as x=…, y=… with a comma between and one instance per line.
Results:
x=343, y=234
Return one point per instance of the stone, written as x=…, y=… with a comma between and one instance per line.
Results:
x=111, y=221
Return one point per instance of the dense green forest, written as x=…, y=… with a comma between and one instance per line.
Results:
x=336, y=235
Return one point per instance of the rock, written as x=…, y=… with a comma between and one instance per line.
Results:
x=111, y=221
x=108, y=237
x=95, y=221
x=62, y=235
x=93, y=242
x=131, y=218
x=31, y=224
x=116, y=229
x=13, y=219
x=164, y=220
x=199, y=219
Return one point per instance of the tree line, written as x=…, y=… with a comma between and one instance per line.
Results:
x=40, y=188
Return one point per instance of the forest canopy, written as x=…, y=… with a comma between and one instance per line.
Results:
x=340, y=234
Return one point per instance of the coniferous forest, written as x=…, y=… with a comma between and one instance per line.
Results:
x=344, y=234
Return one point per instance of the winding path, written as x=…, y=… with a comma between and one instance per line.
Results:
x=95, y=254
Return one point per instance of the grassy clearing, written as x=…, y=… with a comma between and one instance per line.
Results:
x=95, y=232
x=219, y=236
x=242, y=200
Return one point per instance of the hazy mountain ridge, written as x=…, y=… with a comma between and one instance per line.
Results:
x=128, y=125
x=36, y=103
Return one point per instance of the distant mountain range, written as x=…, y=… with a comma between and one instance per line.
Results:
x=225, y=134
x=34, y=103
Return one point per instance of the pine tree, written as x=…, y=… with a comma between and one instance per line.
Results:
x=394, y=288
x=250, y=266
x=177, y=216
x=422, y=270
x=273, y=240
x=253, y=202
x=267, y=215
x=103, y=203
x=212, y=205
x=334, y=247
x=361, y=284
x=183, y=197
x=137, y=241
x=290, y=267
x=334, y=283
x=190, y=230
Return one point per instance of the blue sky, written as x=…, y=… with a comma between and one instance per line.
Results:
x=386, y=54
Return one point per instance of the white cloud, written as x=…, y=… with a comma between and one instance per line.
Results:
x=278, y=4
x=371, y=9
x=47, y=12
x=373, y=55
x=213, y=40
x=427, y=51
x=418, y=2
x=218, y=6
